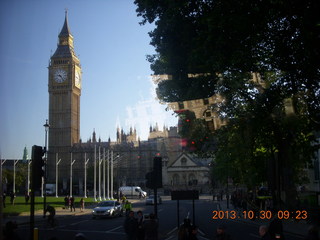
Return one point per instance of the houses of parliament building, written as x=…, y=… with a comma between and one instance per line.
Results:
x=68, y=157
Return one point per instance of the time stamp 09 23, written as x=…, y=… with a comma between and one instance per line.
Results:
x=262, y=214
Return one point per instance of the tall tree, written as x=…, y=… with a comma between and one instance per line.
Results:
x=222, y=43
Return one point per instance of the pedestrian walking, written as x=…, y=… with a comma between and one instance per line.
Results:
x=26, y=197
x=127, y=207
x=184, y=230
x=193, y=233
x=66, y=202
x=52, y=212
x=81, y=204
x=263, y=232
x=12, y=197
x=140, y=232
x=4, y=199
x=222, y=234
x=151, y=226
x=72, y=204
x=131, y=226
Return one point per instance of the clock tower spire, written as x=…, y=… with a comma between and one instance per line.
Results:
x=64, y=86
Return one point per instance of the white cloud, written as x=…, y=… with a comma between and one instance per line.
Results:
x=148, y=113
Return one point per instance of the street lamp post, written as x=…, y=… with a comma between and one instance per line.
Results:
x=71, y=163
x=111, y=173
x=46, y=128
x=99, y=181
x=29, y=161
x=108, y=176
x=95, y=174
x=85, y=174
x=57, y=178
x=104, y=174
x=14, y=175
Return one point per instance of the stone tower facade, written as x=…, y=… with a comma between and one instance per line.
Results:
x=64, y=86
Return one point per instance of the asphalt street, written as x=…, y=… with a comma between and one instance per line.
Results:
x=69, y=224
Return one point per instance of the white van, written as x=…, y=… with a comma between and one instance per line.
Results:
x=132, y=191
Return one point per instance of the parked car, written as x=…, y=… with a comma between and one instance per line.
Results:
x=150, y=200
x=109, y=208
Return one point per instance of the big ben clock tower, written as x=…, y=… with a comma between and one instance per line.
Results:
x=64, y=88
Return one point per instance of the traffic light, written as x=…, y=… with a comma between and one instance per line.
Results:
x=154, y=178
x=37, y=166
x=157, y=168
x=150, y=180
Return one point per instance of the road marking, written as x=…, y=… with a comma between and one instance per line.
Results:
x=172, y=231
x=84, y=231
x=78, y=222
x=113, y=229
x=169, y=238
x=254, y=235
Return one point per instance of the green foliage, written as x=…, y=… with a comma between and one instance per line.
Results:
x=223, y=43
x=194, y=132
x=232, y=38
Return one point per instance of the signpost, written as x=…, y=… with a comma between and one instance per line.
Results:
x=185, y=195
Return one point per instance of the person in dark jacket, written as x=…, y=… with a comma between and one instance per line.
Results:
x=263, y=232
x=140, y=231
x=184, y=230
x=151, y=228
x=131, y=226
x=193, y=233
x=222, y=234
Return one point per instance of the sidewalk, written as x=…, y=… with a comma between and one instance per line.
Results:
x=24, y=218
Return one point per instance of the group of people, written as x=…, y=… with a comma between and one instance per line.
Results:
x=12, y=198
x=275, y=231
x=142, y=227
x=69, y=203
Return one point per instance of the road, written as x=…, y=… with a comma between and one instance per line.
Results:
x=111, y=229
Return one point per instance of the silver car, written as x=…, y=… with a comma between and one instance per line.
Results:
x=150, y=200
x=108, y=208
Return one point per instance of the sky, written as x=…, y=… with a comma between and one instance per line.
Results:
x=117, y=89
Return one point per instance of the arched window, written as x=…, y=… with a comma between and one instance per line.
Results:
x=192, y=179
x=183, y=161
x=175, y=179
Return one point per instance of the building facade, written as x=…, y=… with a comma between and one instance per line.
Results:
x=87, y=165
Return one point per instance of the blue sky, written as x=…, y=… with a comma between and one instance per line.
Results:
x=112, y=47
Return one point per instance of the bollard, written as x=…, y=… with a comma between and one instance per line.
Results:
x=36, y=234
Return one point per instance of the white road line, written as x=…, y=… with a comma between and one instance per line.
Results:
x=78, y=222
x=254, y=235
x=172, y=231
x=113, y=229
x=86, y=231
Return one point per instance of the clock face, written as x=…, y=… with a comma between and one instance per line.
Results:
x=60, y=75
x=78, y=79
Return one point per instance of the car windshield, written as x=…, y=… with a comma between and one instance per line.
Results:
x=106, y=204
